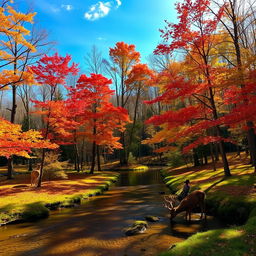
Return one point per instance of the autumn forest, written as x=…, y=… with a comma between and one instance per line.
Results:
x=185, y=112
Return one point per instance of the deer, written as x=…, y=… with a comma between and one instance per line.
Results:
x=35, y=176
x=191, y=201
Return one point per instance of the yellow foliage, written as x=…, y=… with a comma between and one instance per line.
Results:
x=13, y=32
x=15, y=142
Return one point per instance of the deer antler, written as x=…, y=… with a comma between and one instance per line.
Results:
x=168, y=202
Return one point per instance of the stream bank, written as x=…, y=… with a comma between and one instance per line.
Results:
x=23, y=203
x=97, y=227
x=233, y=200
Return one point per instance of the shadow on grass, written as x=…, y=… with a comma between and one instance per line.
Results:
x=213, y=185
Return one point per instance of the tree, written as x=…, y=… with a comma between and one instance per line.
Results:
x=195, y=35
x=15, y=49
x=238, y=22
x=123, y=57
x=94, y=63
x=138, y=78
x=99, y=119
x=52, y=71
x=15, y=142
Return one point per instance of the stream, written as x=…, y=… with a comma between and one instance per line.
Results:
x=96, y=228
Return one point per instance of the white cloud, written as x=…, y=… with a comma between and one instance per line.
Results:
x=67, y=7
x=118, y=2
x=101, y=9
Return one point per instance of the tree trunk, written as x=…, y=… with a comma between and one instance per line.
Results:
x=205, y=159
x=123, y=151
x=216, y=152
x=75, y=163
x=238, y=151
x=41, y=169
x=134, y=121
x=221, y=143
x=82, y=155
x=30, y=166
x=213, y=157
x=98, y=158
x=77, y=157
x=93, y=157
x=10, y=168
x=250, y=132
x=13, y=113
x=251, y=144
x=195, y=159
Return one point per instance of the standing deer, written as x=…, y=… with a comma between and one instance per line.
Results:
x=193, y=200
x=35, y=176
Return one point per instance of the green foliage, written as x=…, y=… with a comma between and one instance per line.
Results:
x=233, y=211
x=175, y=158
x=131, y=159
x=53, y=167
x=253, y=213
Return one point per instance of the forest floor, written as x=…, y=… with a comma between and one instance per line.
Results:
x=20, y=201
x=232, y=199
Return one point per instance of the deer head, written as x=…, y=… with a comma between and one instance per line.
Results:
x=196, y=198
x=169, y=202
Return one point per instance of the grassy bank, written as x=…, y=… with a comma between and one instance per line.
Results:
x=134, y=167
x=20, y=202
x=232, y=199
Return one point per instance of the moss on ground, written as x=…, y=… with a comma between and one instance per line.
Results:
x=29, y=204
x=132, y=168
x=232, y=199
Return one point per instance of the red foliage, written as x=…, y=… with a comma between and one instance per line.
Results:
x=97, y=116
x=175, y=118
x=59, y=118
x=204, y=141
x=53, y=70
x=183, y=34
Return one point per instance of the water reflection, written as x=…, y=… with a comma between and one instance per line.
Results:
x=140, y=177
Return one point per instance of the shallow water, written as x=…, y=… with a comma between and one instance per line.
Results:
x=96, y=228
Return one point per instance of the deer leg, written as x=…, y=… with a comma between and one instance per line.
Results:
x=202, y=207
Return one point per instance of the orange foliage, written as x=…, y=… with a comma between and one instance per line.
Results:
x=15, y=142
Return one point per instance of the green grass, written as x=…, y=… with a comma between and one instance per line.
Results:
x=237, y=241
x=232, y=199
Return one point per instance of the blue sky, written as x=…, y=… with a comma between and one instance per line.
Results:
x=76, y=25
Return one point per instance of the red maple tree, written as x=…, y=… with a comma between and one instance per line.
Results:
x=195, y=36
x=52, y=71
x=99, y=118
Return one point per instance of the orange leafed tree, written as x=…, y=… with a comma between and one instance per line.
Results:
x=138, y=80
x=123, y=57
x=15, y=142
x=15, y=47
x=13, y=34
